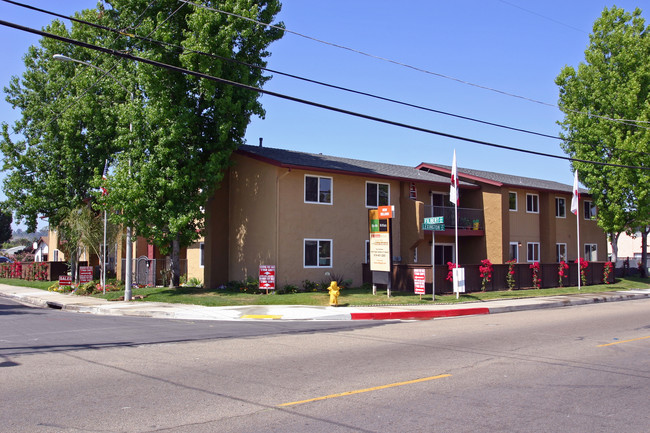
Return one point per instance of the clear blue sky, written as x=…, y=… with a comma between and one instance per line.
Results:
x=514, y=46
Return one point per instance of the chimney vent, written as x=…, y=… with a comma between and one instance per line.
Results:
x=261, y=139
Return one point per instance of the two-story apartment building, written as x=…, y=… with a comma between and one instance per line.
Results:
x=307, y=214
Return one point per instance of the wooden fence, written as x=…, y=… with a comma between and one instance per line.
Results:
x=35, y=271
x=523, y=276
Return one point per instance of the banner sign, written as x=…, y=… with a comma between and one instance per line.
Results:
x=267, y=277
x=419, y=279
x=85, y=274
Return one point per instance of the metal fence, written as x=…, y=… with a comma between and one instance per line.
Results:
x=152, y=272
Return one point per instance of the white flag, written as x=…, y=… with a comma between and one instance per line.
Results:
x=453, y=190
x=575, y=200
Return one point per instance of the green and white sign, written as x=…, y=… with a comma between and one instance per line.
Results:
x=434, y=220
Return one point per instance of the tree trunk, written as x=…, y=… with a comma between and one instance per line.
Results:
x=644, y=251
x=175, y=265
x=613, y=237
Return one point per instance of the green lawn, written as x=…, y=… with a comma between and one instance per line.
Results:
x=352, y=296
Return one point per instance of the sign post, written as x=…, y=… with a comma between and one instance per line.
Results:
x=267, y=277
x=435, y=224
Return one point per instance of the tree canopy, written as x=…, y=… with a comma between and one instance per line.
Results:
x=168, y=136
x=606, y=105
x=5, y=226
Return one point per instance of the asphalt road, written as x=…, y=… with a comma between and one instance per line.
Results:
x=577, y=369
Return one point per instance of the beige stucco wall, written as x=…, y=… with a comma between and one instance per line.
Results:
x=194, y=268
x=493, y=214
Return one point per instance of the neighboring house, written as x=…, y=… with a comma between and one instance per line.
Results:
x=530, y=219
x=629, y=250
x=307, y=214
x=41, y=250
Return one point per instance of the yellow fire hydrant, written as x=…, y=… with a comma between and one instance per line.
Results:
x=334, y=293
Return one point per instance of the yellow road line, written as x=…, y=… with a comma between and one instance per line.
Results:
x=624, y=341
x=261, y=316
x=359, y=391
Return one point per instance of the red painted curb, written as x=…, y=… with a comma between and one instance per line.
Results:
x=405, y=315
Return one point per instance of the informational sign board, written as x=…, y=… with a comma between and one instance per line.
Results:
x=65, y=280
x=459, y=280
x=380, y=252
x=419, y=279
x=85, y=274
x=267, y=277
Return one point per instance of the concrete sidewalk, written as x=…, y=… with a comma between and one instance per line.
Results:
x=87, y=304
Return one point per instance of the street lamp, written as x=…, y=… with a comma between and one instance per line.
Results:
x=129, y=246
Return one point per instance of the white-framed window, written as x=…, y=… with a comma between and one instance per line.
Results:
x=202, y=254
x=55, y=256
x=532, y=203
x=317, y=253
x=560, y=207
x=533, y=252
x=377, y=194
x=589, y=210
x=514, y=251
x=560, y=252
x=591, y=252
x=318, y=189
x=512, y=201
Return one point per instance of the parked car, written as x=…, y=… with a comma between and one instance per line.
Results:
x=5, y=259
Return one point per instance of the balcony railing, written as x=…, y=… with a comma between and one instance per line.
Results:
x=469, y=219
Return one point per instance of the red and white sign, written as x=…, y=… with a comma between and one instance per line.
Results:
x=419, y=278
x=85, y=274
x=65, y=280
x=267, y=277
x=385, y=211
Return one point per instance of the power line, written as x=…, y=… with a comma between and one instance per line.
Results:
x=333, y=86
x=415, y=68
x=302, y=101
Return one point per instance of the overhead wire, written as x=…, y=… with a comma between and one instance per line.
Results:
x=321, y=83
x=304, y=101
x=406, y=65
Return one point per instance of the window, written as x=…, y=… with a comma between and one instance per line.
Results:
x=442, y=200
x=444, y=254
x=514, y=251
x=533, y=251
x=591, y=252
x=202, y=252
x=532, y=203
x=560, y=252
x=589, y=210
x=56, y=256
x=560, y=207
x=318, y=189
x=512, y=198
x=377, y=194
x=415, y=255
x=318, y=253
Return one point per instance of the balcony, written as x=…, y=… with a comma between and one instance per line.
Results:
x=470, y=221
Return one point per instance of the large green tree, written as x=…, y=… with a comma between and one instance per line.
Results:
x=167, y=135
x=5, y=226
x=606, y=105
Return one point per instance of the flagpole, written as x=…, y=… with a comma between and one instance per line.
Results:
x=575, y=208
x=104, y=176
x=453, y=196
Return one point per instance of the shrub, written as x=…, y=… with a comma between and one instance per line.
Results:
x=561, y=272
x=486, y=273
x=583, y=265
x=607, y=269
x=510, y=278
x=310, y=286
x=536, y=274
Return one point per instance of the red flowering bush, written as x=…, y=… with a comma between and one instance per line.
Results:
x=16, y=270
x=562, y=272
x=450, y=274
x=536, y=274
x=486, y=273
x=583, y=265
x=607, y=269
x=510, y=278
